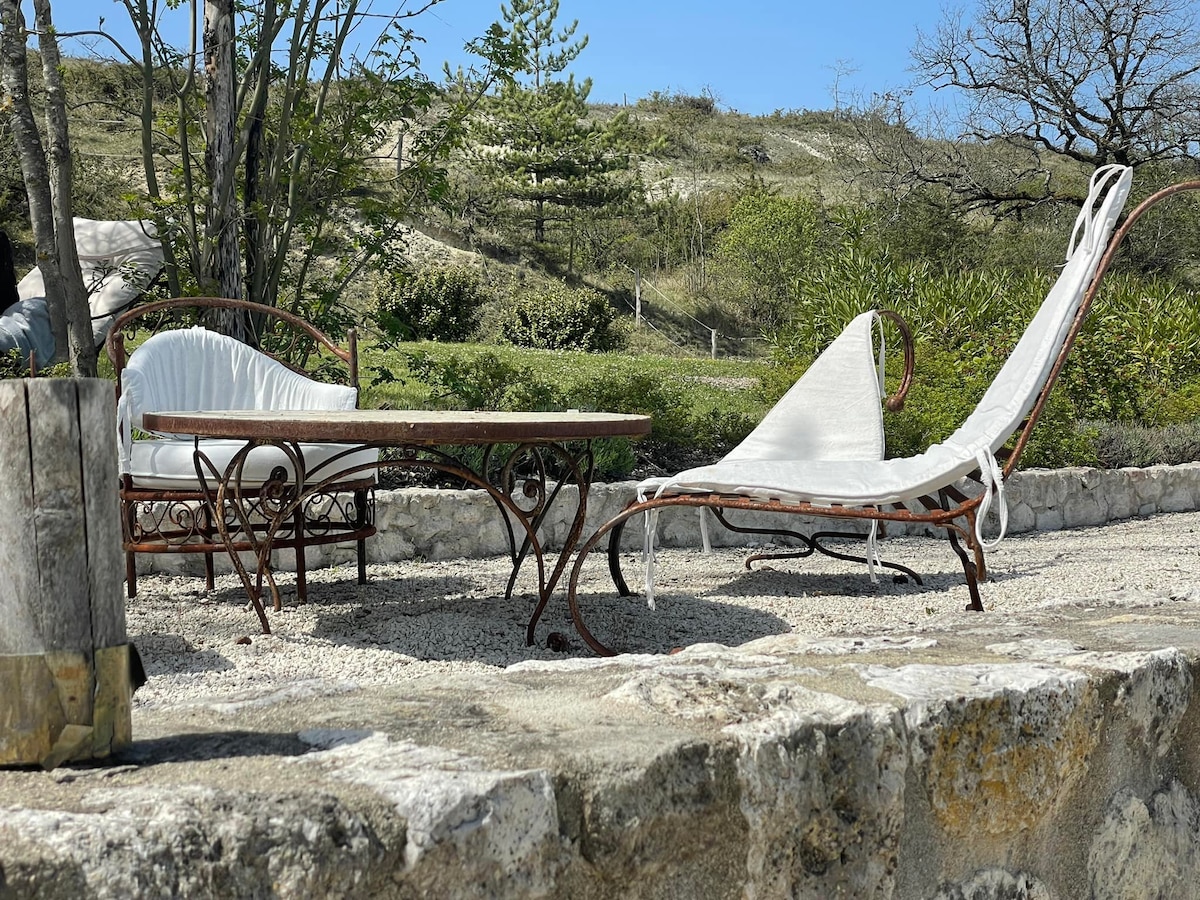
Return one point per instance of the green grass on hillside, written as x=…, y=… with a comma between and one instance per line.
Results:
x=731, y=385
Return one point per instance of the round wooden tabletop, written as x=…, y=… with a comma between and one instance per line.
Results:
x=396, y=426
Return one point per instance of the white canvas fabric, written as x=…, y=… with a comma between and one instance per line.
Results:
x=832, y=412
x=198, y=369
x=118, y=261
x=868, y=482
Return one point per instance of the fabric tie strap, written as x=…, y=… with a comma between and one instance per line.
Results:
x=993, y=484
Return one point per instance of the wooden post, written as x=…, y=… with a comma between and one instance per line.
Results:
x=65, y=683
x=637, y=299
x=714, y=342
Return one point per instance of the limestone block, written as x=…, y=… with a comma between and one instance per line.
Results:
x=995, y=746
x=495, y=829
x=820, y=778
x=1147, y=485
x=1153, y=694
x=1147, y=848
x=1082, y=508
x=319, y=848
x=1050, y=520
x=1021, y=517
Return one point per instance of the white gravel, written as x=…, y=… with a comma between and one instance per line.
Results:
x=419, y=618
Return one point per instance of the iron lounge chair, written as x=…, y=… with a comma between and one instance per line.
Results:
x=922, y=488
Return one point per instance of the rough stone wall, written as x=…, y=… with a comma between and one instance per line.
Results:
x=1014, y=765
x=442, y=524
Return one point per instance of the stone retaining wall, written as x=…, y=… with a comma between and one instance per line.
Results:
x=428, y=523
x=1026, y=758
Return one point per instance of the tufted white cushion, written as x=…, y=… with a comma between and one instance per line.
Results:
x=198, y=369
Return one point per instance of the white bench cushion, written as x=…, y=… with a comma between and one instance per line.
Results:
x=169, y=463
x=198, y=369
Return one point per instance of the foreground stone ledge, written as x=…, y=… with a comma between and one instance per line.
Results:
x=1048, y=756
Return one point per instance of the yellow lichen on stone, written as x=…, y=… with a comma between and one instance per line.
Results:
x=1000, y=764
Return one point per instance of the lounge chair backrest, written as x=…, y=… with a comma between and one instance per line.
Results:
x=833, y=411
x=194, y=369
x=1016, y=387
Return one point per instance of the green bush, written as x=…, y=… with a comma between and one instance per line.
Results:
x=562, y=318
x=484, y=381
x=948, y=385
x=433, y=304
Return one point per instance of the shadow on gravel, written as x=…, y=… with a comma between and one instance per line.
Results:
x=156, y=646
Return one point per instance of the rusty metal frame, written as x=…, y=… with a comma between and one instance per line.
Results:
x=952, y=510
x=523, y=495
x=173, y=520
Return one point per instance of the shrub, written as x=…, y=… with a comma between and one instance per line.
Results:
x=1134, y=445
x=947, y=388
x=483, y=382
x=562, y=318
x=434, y=304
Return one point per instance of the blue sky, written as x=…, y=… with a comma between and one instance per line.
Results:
x=755, y=57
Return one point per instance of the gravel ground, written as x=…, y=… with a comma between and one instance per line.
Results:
x=418, y=618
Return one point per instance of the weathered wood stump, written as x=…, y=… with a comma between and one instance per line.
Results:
x=65, y=683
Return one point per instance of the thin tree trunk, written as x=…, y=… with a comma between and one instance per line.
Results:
x=143, y=24
x=222, y=272
x=81, y=344
x=34, y=171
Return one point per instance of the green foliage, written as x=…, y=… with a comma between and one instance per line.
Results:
x=562, y=318
x=770, y=243
x=439, y=304
x=484, y=381
x=1140, y=345
x=14, y=365
x=945, y=391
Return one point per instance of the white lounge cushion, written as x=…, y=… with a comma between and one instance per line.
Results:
x=169, y=463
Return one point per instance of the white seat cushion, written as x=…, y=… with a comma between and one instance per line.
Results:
x=169, y=464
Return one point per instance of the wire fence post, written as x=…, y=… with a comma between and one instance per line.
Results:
x=713, y=332
x=637, y=299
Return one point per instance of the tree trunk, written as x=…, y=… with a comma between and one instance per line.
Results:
x=222, y=272
x=80, y=342
x=139, y=15
x=28, y=143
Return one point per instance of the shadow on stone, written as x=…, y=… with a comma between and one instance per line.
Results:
x=202, y=746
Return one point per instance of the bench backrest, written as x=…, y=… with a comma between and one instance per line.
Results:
x=194, y=368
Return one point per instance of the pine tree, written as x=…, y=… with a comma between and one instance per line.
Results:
x=541, y=159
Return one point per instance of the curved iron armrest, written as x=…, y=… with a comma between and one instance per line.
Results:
x=895, y=402
x=348, y=355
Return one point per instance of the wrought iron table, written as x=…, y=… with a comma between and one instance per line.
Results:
x=526, y=460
